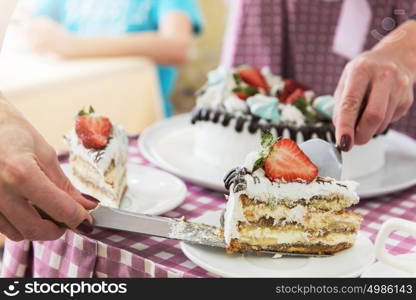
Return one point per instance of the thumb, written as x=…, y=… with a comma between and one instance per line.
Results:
x=58, y=177
x=65, y=184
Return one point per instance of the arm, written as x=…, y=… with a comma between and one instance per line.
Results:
x=169, y=45
x=378, y=83
x=30, y=175
x=7, y=7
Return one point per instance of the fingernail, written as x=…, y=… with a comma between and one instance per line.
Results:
x=91, y=198
x=85, y=226
x=345, y=143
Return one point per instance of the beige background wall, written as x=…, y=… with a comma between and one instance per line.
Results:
x=205, y=55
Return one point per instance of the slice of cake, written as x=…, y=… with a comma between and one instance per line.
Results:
x=98, y=156
x=278, y=202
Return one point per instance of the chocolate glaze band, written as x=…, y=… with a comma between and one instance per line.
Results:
x=324, y=129
x=205, y=114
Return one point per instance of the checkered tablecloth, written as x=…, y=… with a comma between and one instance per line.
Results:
x=106, y=253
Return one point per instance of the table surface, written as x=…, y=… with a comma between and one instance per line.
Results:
x=106, y=253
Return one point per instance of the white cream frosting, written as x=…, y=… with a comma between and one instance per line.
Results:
x=212, y=97
x=264, y=190
x=217, y=76
x=233, y=214
x=234, y=104
x=275, y=82
x=251, y=158
x=219, y=87
x=309, y=95
x=291, y=115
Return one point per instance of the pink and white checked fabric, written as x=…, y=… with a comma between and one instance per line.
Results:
x=296, y=38
x=106, y=253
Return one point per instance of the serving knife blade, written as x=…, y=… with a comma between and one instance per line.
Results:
x=325, y=156
x=170, y=228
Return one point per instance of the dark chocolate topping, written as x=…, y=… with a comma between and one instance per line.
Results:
x=236, y=177
x=321, y=129
x=239, y=124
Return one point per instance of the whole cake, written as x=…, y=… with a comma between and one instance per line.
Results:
x=98, y=157
x=278, y=202
x=236, y=106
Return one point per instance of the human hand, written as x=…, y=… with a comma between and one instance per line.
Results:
x=375, y=89
x=47, y=36
x=30, y=175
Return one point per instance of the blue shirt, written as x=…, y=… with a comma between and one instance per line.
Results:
x=118, y=17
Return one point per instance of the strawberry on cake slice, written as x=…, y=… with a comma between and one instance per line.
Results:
x=278, y=202
x=98, y=156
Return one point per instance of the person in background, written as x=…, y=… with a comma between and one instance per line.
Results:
x=364, y=50
x=161, y=30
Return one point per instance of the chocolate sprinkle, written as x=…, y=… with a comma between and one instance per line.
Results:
x=236, y=177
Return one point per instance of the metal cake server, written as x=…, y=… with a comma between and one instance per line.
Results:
x=171, y=228
x=325, y=156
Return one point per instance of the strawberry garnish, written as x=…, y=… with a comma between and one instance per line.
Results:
x=286, y=162
x=244, y=92
x=93, y=131
x=241, y=95
x=295, y=96
x=253, y=77
x=290, y=87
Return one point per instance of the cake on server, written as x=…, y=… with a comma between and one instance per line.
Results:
x=98, y=156
x=236, y=106
x=278, y=202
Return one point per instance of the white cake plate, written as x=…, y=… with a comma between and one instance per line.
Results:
x=348, y=263
x=381, y=270
x=151, y=191
x=169, y=145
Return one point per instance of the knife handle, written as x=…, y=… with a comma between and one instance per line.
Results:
x=45, y=216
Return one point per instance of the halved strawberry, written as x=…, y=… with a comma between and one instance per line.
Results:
x=295, y=95
x=287, y=162
x=241, y=95
x=290, y=86
x=253, y=77
x=93, y=131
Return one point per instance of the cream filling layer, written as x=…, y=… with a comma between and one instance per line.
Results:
x=300, y=215
x=107, y=189
x=264, y=236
